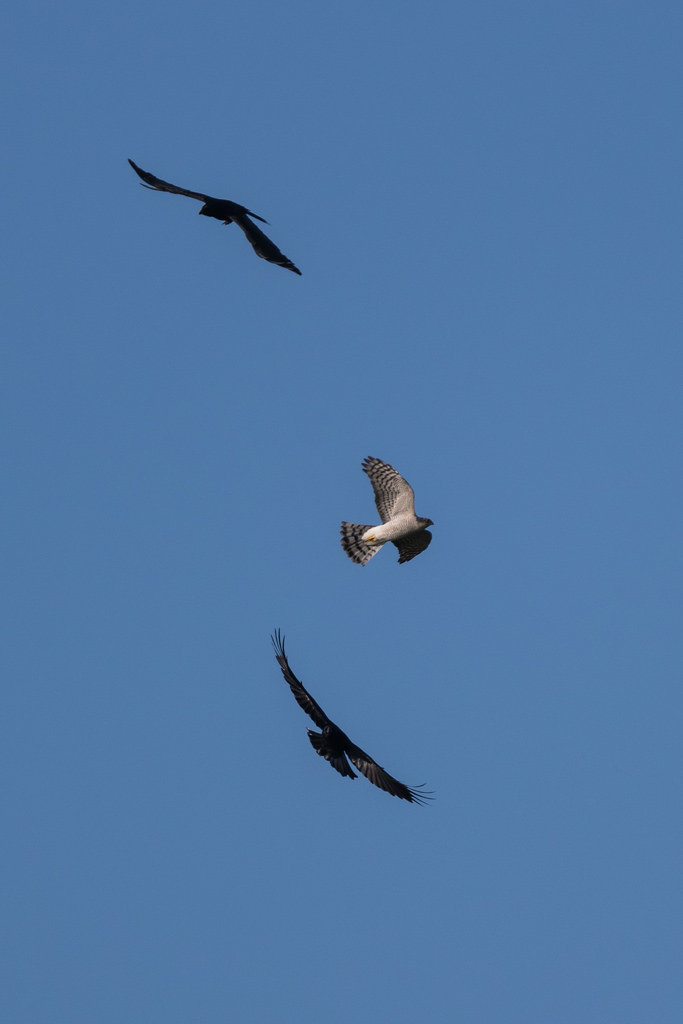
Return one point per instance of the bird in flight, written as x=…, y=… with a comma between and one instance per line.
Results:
x=227, y=211
x=334, y=745
x=395, y=501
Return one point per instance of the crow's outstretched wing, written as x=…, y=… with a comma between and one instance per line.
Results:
x=164, y=186
x=303, y=697
x=262, y=245
x=382, y=779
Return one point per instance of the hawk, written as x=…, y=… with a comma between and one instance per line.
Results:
x=395, y=502
x=334, y=745
x=227, y=211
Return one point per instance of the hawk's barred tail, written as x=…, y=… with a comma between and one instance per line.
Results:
x=355, y=548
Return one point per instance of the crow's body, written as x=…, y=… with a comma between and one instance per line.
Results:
x=227, y=212
x=334, y=745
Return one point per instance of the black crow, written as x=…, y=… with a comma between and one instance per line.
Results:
x=227, y=211
x=334, y=745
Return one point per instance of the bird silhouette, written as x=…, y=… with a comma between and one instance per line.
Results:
x=334, y=745
x=227, y=211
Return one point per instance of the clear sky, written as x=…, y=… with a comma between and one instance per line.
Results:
x=485, y=201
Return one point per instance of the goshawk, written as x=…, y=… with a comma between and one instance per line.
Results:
x=395, y=502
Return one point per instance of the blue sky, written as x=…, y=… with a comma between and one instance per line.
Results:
x=484, y=200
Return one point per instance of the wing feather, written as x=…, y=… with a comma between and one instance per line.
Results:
x=413, y=544
x=151, y=181
x=262, y=245
x=301, y=694
x=393, y=494
x=382, y=779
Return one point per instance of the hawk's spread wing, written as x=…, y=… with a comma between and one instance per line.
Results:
x=303, y=697
x=393, y=495
x=413, y=544
x=164, y=186
x=382, y=779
